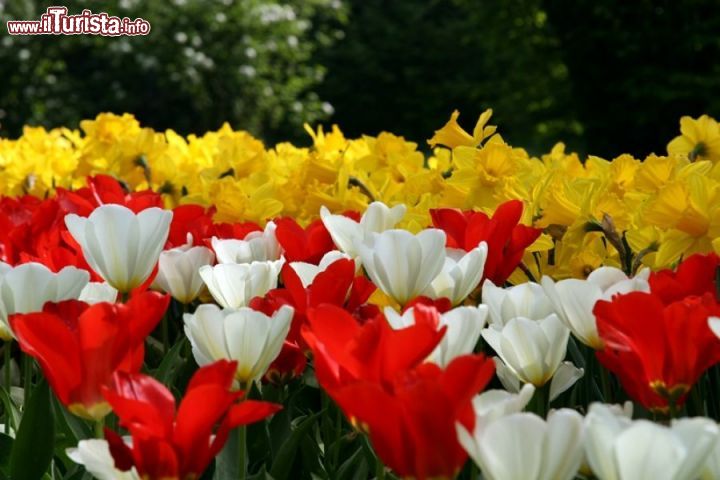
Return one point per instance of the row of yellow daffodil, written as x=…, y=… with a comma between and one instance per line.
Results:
x=623, y=212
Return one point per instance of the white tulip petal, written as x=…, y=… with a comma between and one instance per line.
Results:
x=97, y=292
x=714, y=323
x=699, y=436
x=493, y=404
x=502, y=440
x=508, y=378
x=565, y=377
x=402, y=264
x=378, y=217
x=563, y=446
x=121, y=246
x=603, y=424
x=95, y=456
x=247, y=336
x=646, y=451
x=27, y=287
x=234, y=285
x=178, y=272
x=605, y=277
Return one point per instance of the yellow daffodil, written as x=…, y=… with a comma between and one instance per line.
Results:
x=699, y=139
x=452, y=135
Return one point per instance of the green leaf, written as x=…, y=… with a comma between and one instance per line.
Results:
x=33, y=447
x=261, y=475
x=226, y=463
x=283, y=463
x=6, y=443
x=68, y=424
x=311, y=454
x=354, y=468
x=168, y=368
x=9, y=406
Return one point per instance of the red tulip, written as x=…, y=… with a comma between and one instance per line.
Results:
x=346, y=351
x=103, y=189
x=658, y=351
x=336, y=285
x=696, y=275
x=79, y=347
x=236, y=230
x=442, y=304
x=303, y=245
x=32, y=230
x=197, y=221
x=378, y=378
x=411, y=422
x=289, y=364
x=505, y=237
x=178, y=444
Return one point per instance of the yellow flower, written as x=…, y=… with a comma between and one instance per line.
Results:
x=688, y=212
x=452, y=135
x=699, y=139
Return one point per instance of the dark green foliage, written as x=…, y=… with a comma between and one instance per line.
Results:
x=247, y=62
x=605, y=77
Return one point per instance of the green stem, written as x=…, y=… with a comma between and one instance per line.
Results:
x=605, y=381
x=99, y=428
x=242, y=450
x=165, y=336
x=474, y=470
x=380, y=467
x=696, y=399
x=672, y=409
x=9, y=420
x=6, y=366
x=338, y=433
x=27, y=375
x=242, y=435
x=541, y=400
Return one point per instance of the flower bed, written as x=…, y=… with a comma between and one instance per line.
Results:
x=206, y=307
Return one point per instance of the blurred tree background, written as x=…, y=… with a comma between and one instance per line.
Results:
x=604, y=76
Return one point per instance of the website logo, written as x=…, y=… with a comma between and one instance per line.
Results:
x=56, y=21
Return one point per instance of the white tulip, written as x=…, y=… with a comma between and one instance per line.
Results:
x=346, y=232
x=250, y=337
x=97, y=292
x=507, y=377
x=526, y=300
x=574, y=299
x=618, y=448
x=401, y=264
x=121, y=246
x=533, y=351
x=178, y=271
x=95, y=456
x=464, y=325
x=233, y=285
x=307, y=271
x=255, y=247
x=522, y=446
x=711, y=470
x=460, y=274
x=27, y=287
x=714, y=324
x=564, y=377
x=493, y=404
